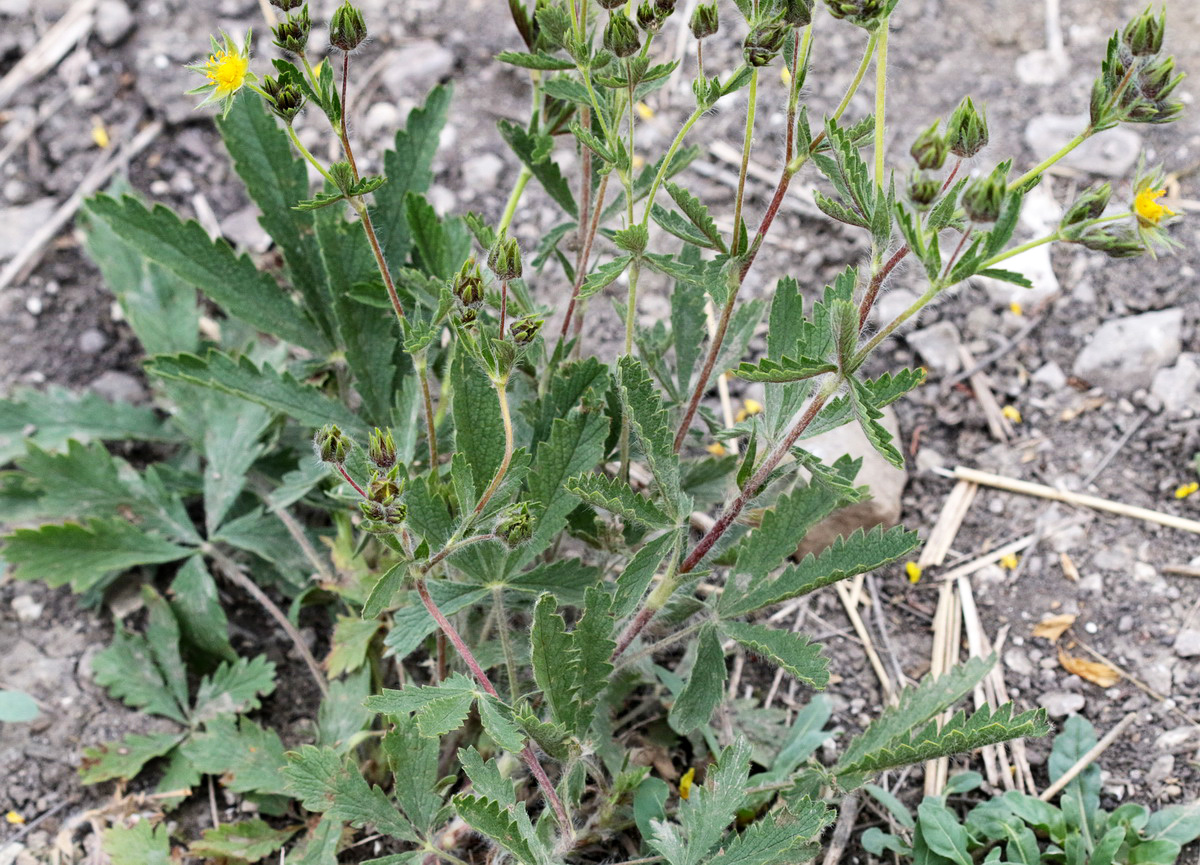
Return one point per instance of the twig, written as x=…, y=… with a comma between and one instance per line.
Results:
x=1087, y=759
x=233, y=571
x=949, y=521
x=847, y=812
x=976, y=638
x=1000, y=427
x=31, y=252
x=1095, y=502
x=860, y=628
x=1181, y=570
x=885, y=636
x=212, y=804
x=1116, y=449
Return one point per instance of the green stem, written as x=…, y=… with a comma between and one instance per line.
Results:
x=510, y=209
x=1050, y=238
x=1050, y=160
x=420, y=361
x=501, y=395
x=747, y=142
x=666, y=163
x=635, y=270
x=364, y=216
x=881, y=50
x=863, y=65
x=912, y=310
x=304, y=152
x=510, y=658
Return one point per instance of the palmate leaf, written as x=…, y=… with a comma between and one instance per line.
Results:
x=139, y=844
x=130, y=673
x=124, y=759
x=325, y=782
x=508, y=827
x=53, y=417
x=642, y=403
x=786, y=369
x=413, y=760
x=246, y=841
x=234, y=688
x=247, y=758
x=845, y=557
x=229, y=280
x=705, y=685
x=707, y=811
x=791, y=652
x=616, y=496
x=883, y=391
x=279, y=391
x=83, y=555
x=777, y=838
x=961, y=734
x=435, y=706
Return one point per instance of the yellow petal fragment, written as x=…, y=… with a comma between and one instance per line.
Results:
x=100, y=134
x=1012, y=413
x=785, y=74
x=13, y=818
x=914, y=571
x=1009, y=562
x=1147, y=208
x=1015, y=308
x=685, y=783
x=716, y=449
x=1186, y=490
x=645, y=111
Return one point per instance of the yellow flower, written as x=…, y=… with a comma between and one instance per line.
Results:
x=716, y=449
x=1186, y=490
x=685, y=783
x=644, y=111
x=1015, y=308
x=227, y=71
x=1149, y=211
x=914, y=572
x=14, y=818
x=749, y=408
x=100, y=134
x=1012, y=413
x=785, y=74
x=1009, y=562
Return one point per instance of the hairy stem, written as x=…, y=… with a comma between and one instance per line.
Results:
x=422, y=364
x=502, y=396
x=514, y=198
x=312, y=160
x=881, y=48
x=1053, y=158
x=584, y=254
x=342, y=471
x=510, y=657
x=364, y=215
x=635, y=270
x=343, y=133
x=747, y=142
x=861, y=73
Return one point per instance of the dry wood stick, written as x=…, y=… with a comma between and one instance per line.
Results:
x=945, y=529
x=975, y=642
x=860, y=628
x=1000, y=427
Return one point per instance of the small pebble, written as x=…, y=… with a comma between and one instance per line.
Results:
x=92, y=341
x=33, y=304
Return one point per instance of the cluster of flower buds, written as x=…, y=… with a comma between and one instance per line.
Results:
x=467, y=288
x=284, y=97
x=287, y=5
x=705, y=21
x=653, y=14
x=1076, y=226
x=930, y=149
x=966, y=130
x=923, y=190
x=868, y=14
x=523, y=330
x=1136, y=81
x=332, y=445
x=984, y=196
x=764, y=42
x=1088, y=206
x=381, y=450
x=347, y=29
x=621, y=36
x=1113, y=241
x=797, y=13
x=291, y=34
x=515, y=525
x=504, y=258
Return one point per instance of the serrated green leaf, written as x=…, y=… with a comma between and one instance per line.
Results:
x=418, y=698
x=247, y=758
x=234, y=688
x=278, y=391
x=642, y=403
x=231, y=447
x=868, y=416
x=616, y=496
x=776, y=838
x=708, y=810
x=229, y=280
x=276, y=178
x=673, y=223
x=478, y=428
x=534, y=151
x=705, y=685
x=635, y=579
x=326, y=783
x=351, y=638
x=540, y=60
x=139, y=844
x=411, y=624
x=486, y=777
x=342, y=716
x=1006, y=276
x=845, y=557
x=201, y=618
x=604, y=275
x=321, y=846
x=440, y=246
x=566, y=579
x=555, y=660
x=785, y=370
x=791, y=652
x=884, y=391
x=124, y=759
x=499, y=726
x=499, y=824
x=53, y=417
x=246, y=841
x=697, y=213
x=130, y=673
x=413, y=760
x=178, y=776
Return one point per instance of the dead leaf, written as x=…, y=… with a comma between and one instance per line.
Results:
x=1052, y=627
x=1069, y=570
x=1095, y=672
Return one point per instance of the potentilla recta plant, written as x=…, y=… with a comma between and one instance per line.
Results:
x=531, y=563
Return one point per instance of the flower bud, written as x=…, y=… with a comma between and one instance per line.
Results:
x=468, y=285
x=983, y=197
x=648, y=17
x=523, y=330
x=620, y=36
x=1090, y=205
x=923, y=190
x=1158, y=78
x=468, y=316
x=1144, y=34
x=611, y=4
x=1113, y=242
x=331, y=444
x=515, y=527
x=291, y=34
x=797, y=13
x=504, y=258
x=930, y=149
x=347, y=29
x=865, y=13
x=381, y=450
x=967, y=130
x=286, y=5
x=705, y=21
x=383, y=488
x=284, y=98
x=764, y=42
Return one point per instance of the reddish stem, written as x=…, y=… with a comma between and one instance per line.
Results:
x=503, y=306
x=342, y=469
x=584, y=256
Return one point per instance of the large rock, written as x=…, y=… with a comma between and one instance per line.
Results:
x=885, y=480
x=1112, y=154
x=1125, y=353
x=938, y=346
x=1179, y=386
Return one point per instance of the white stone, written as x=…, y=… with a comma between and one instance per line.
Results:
x=26, y=608
x=15, y=224
x=1051, y=375
x=118, y=387
x=481, y=173
x=1179, y=386
x=1059, y=704
x=891, y=303
x=415, y=68
x=1112, y=154
x=1187, y=643
x=1125, y=353
x=1042, y=67
x=938, y=346
x=114, y=21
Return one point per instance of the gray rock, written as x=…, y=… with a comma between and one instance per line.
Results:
x=114, y=22
x=92, y=341
x=119, y=387
x=1157, y=676
x=1017, y=661
x=480, y=173
x=26, y=608
x=15, y=222
x=891, y=303
x=938, y=346
x=1187, y=643
x=1110, y=155
x=1051, y=375
x=885, y=480
x=1178, y=387
x=1161, y=769
x=416, y=67
x=1059, y=704
x=1125, y=353
x=244, y=231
